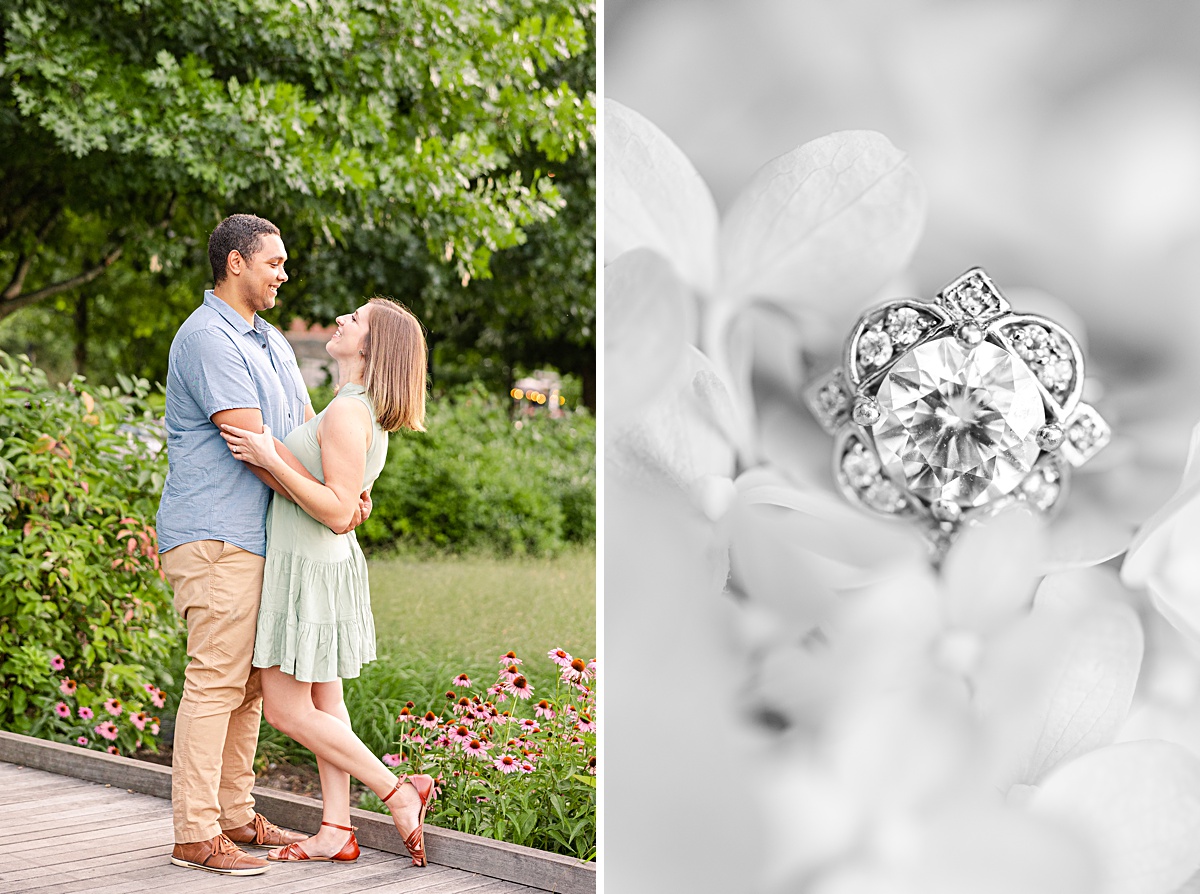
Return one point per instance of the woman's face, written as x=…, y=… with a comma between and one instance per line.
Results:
x=352, y=330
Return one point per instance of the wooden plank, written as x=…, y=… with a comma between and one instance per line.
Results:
x=525, y=866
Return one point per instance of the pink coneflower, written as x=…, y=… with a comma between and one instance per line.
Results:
x=560, y=657
x=575, y=740
x=442, y=741
x=158, y=698
x=586, y=724
x=57, y=663
x=82, y=740
x=526, y=767
x=113, y=707
x=510, y=658
x=520, y=687
x=85, y=713
x=475, y=748
x=543, y=709
x=139, y=719
x=392, y=760
x=591, y=667
x=154, y=729
x=462, y=706
x=591, y=765
x=530, y=725
x=506, y=763
x=62, y=710
x=460, y=733
x=107, y=730
x=112, y=749
x=405, y=714
x=67, y=687
x=451, y=695
x=462, y=681
x=430, y=720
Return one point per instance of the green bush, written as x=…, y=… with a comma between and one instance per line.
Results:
x=480, y=480
x=85, y=616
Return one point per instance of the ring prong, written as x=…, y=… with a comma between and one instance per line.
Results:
x=866, y=411
x=1050, y=437
x=946, y=511
x=969, y=334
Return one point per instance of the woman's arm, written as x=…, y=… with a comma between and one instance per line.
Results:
x=250, y=419
x=344, y=434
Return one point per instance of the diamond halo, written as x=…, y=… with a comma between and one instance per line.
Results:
x=948, y=409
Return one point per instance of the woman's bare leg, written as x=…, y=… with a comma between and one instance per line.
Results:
x=291, y=707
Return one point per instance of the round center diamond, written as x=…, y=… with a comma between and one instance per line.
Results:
x=959, y=423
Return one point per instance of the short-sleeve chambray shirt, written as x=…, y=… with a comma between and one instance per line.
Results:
x=218, y=361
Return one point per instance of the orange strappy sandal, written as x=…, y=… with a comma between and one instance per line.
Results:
x=415, y=842
x=348, y=854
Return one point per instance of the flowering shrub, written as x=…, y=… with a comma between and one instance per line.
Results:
x=80, y=584
x=525, y=773
x=477, y=481
x=81, y=715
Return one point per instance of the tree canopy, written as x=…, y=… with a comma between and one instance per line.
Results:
x=412, y=149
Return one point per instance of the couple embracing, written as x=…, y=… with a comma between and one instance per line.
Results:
x=257, y=543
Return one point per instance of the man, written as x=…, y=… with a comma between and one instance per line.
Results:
x=226, y=365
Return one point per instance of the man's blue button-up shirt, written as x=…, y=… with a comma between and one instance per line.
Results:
x=218, y=361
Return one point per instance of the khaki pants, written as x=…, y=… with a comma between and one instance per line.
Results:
x=217, y=590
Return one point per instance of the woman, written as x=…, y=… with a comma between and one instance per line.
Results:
x=314, y=622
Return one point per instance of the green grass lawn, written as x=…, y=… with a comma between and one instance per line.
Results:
x=477, y=607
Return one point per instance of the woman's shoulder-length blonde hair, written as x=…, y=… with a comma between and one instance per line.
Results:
x=396, y=362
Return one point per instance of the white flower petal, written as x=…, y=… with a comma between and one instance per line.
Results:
x=654, y=198
x=991, y=570
x=829, y=222
x=647, y=313
x=1140, y=804
x=1094, y=671
x=1085, y=534
x=684, y=438
x=1164, y=557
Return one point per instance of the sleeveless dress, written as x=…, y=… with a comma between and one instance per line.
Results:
x=314, y=620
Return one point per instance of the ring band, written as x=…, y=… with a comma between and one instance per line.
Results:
x=948, y=409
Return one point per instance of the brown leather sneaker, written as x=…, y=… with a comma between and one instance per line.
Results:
x=217, y=855
x=261, y=832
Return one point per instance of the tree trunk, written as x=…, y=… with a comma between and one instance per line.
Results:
x=81, y=334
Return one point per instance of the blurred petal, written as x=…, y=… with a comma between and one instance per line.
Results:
x=821, y=523
x=1164, y=557
x=1094, y=671
x=654, y=198
x=1086, y=533
x=663, y=599
x=827, y=223
x=990, y=571
x=1140, y=804
x=646, y=313
x=686, y=436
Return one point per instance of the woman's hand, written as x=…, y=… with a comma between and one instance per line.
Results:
x=251, y=447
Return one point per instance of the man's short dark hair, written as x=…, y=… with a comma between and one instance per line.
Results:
x=238, y=232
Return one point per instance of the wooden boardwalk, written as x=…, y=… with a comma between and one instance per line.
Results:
x=59, y=834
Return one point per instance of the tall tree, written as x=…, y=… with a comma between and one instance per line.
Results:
x=410, y=140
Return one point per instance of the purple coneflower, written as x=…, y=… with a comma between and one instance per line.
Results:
x=62, y=710
x=560, y=657
x=67, y=687
x=113, y=707
x=85, y=713
x=506, y=763
x=107, y=730
x=57, y=663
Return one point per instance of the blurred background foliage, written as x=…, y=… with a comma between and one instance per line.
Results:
x=439, y=151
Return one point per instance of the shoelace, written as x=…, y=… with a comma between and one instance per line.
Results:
x=225, y=845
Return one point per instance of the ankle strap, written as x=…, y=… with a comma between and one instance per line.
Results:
x=343, y=828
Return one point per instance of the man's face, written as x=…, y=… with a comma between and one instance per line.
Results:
x=263, y=273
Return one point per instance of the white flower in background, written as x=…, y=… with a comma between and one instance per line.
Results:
x=918, y=731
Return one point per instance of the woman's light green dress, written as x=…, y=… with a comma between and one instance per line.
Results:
x=314, y=621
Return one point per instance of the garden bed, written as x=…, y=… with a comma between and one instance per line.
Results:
x=496, y=859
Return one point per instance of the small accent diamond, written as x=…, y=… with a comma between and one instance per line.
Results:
x=903, y=325
x=1056, y=375
x=1087, y=434
x=874, y=348
x=884, y=496
x=1040, y=489
x=860, y=466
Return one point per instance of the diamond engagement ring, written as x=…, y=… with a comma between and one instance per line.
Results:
x=949, y=409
